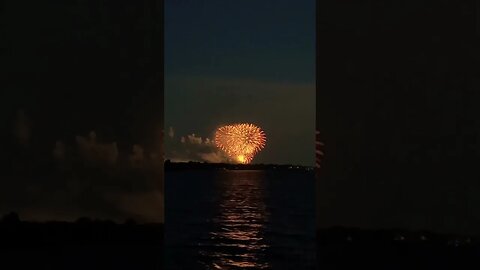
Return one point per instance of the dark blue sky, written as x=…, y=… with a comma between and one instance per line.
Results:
x=243, y=61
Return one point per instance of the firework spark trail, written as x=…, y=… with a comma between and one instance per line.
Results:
x=240, y=141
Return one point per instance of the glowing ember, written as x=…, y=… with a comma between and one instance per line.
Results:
x=240, y=141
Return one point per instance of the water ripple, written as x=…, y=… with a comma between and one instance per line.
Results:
x=239, y=224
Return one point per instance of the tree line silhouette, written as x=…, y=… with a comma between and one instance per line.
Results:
x=193, y=165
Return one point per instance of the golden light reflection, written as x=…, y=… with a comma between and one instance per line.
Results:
x=241, y=220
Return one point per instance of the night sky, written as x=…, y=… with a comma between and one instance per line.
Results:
x=397, y=110
x=81, y=103
x=240, y=61
x=81, y=109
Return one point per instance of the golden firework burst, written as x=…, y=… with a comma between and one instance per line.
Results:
x=240, y=142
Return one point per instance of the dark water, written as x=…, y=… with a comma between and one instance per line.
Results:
x=240, y=220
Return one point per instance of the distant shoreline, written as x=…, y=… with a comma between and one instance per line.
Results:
x=181, y=166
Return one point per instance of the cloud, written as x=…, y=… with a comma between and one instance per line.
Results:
x=193, y=148
x=86, y=172
x=213, y=157
x=137, y=157
x=208, y=141
x=106, y=154
x=132, y=187
x=96, y=153
x=194, y=139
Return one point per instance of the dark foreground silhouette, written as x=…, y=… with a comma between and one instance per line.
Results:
x=84, y=244
x=346, y=248
x=178, y=166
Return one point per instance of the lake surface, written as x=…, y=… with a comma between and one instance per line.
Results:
x=240, y=220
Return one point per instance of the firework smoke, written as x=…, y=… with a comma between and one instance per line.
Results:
x=240, y=141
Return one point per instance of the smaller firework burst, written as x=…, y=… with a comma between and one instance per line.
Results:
x=240, y=142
